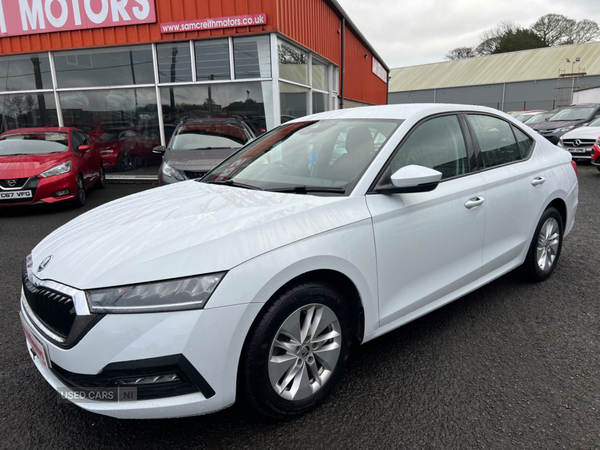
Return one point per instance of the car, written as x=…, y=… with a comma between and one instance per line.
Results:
x=595, y=156
x=255, y=282
x=522, y=117
x=48, y=165
x=537, y=119
x=579, y=142
x=568, y=118
x=198, y=145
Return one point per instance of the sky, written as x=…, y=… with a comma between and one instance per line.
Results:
x=413, y=32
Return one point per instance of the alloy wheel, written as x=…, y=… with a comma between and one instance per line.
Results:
x=304, y=352
x=548, y=244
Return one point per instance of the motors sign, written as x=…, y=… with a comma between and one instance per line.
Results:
x=20, y=17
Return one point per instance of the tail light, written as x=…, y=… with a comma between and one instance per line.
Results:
x=574, y=164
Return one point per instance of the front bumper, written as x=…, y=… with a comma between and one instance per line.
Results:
x=209, y=340
x=44, y=190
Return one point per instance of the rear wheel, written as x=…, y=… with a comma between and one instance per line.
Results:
x=80, y=195
x=296, y=351
x=545, y=247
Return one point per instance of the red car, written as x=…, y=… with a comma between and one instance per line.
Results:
x=596, y=154
x=48, y=165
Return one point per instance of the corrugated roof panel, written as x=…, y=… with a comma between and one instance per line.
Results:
x=538, y=64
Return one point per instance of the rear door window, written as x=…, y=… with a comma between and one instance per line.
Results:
x=496, y=140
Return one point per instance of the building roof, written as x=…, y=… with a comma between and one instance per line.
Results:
x=525, y=65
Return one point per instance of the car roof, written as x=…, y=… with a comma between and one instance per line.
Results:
x=404, y=111
x=41, y=130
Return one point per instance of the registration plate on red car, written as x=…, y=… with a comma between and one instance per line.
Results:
x=15, y=194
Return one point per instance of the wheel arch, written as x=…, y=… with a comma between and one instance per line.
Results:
x=561, y=207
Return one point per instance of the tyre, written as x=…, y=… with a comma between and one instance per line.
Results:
x=296, y=351
x=101, y=182
x=80, y=195
x=598, y=167
x=545, y=247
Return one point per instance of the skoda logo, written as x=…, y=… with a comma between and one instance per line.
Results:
x=577, y=142
x=44, y=263
x=12, y=183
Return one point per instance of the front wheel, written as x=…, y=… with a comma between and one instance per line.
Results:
x=296, y=351
x=80, y=194
x=545, y=247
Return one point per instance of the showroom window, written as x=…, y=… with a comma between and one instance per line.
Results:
x=27, y=110
x=114, y=66
x=252, y=57
x=128, y=99
x=28, y=72
x=212, y=60
x=174, y=62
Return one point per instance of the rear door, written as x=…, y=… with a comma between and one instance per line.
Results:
x=429, y=245
x=516, y=189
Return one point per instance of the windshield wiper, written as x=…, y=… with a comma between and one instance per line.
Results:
x=307, y=189
x=236, y=184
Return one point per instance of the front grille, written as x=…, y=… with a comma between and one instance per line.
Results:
x=54, y=309
x=583, y=143
x=193, y=175
x=13, y=183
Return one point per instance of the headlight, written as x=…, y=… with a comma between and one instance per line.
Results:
x=565, y=129
x=105, y=152
x=170, y=295
x=170, y=172
x=57, y=170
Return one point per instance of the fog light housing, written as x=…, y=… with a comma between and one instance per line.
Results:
x=62, y=193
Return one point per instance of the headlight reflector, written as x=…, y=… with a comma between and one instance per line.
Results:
x=168, y=295
x=57, y=170
x=170, y=172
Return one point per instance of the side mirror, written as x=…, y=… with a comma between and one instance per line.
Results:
x=411, y=179
x=159, y=149
x=83, y=149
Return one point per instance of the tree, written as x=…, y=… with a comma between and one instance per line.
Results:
x=490, y=39
x=460, y=53
x=584, y=31
x=553, y=29
x=520, y=39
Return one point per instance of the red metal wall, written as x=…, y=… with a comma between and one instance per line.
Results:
x=315, y=25
x=312, y=23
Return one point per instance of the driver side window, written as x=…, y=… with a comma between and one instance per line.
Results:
x=438, y=144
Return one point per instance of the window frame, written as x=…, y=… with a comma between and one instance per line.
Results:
x=385, y=171
x=477, y=148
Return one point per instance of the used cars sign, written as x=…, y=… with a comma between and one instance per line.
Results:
x=19, y=17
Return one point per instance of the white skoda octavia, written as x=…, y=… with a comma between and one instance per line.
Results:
x=255, y=281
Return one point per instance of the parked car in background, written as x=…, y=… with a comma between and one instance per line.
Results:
x=595, y=156
x=527, y=114
x=198, y=145
x=48, y=165
x=579, y=142
x=567, y=119
x=255, y=282
x=537, y=119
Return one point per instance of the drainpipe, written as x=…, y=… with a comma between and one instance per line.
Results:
x=343, y=62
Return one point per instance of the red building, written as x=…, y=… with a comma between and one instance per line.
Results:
x=118, y=68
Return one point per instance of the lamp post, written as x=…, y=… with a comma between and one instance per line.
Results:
x=573, y=76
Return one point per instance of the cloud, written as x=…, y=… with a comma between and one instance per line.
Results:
x=414, y=32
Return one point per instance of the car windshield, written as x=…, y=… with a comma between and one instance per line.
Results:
x=537, y=118
x=595, y=123
x=572, y=114
x=326, y=156
x=33, y=143
x=208, y=135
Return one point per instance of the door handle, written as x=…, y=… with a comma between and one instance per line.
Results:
x=537, y=181
x=474, y=202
